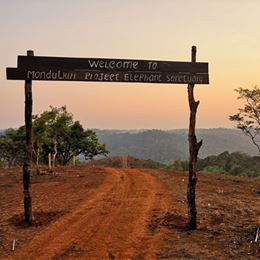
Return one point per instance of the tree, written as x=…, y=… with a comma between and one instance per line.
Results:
x=58, y=122
x=235, y=163
x=248, y=118
x=78, y=141
x=12, y=144
x=40, y=136
x=55, y=132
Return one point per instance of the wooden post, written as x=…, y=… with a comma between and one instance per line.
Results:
x=28, y=150
x=193, y=150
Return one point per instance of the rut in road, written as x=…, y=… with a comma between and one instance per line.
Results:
x=111, y=224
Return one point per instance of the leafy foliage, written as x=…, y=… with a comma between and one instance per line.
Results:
x=232, y=163
x=54, y=132
x=248, y=118
x=237, y=164
x=178, y=165
x=152, y=164
x=12, y=144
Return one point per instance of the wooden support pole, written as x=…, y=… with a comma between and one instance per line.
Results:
x=28, y=150
x=193, y=151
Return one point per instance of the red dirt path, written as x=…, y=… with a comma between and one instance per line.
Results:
x=112, y=223
x=106, y=213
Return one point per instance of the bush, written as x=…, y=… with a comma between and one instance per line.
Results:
x=237, y=164
x=152, y=164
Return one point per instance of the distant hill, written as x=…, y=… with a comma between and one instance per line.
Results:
x=168, y=146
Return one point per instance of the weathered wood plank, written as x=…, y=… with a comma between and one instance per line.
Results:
x=106, y=76
x=100, y=64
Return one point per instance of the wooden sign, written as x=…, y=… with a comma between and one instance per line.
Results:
x=108, y=70
x=32, y=67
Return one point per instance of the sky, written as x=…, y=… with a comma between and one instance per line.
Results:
x=226, y=33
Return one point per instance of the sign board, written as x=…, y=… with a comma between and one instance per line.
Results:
x=32, y=67
x=108, y=70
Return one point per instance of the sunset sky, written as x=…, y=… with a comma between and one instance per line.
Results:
x=226, y=33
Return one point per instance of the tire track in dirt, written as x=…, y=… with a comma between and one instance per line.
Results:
x=111, y=224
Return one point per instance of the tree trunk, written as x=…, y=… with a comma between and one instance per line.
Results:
x=49, y=162
x=193, y=150
x=54, y=154
x=11, y=162
x=28, y=150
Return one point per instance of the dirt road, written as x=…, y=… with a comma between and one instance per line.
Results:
x=113, y=223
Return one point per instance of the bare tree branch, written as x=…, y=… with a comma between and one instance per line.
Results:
x=248, y=118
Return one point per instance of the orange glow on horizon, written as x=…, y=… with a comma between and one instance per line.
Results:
x=225, y=33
